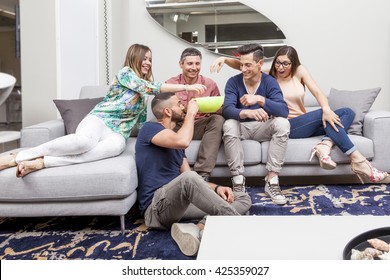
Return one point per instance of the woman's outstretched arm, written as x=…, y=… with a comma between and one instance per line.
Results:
x=217, y=64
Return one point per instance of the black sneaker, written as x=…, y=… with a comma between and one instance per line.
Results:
x=205, y=176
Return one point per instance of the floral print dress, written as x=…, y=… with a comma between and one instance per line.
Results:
x=125, y=105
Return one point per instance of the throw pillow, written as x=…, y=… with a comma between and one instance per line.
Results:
x=74, y=110
x=360, y=101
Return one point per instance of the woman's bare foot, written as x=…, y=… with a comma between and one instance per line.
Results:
x=28, y=166
x=7, y=161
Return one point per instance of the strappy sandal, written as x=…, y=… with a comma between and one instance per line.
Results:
x=26, y=167
x=364, y=168
x=7, y=161
x=325, y=160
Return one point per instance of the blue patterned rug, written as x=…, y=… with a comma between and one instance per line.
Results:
x=100, y=238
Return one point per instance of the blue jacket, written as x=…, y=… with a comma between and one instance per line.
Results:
x=269, y=88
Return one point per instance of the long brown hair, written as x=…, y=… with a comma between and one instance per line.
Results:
x=134, y=58
x=292, y=55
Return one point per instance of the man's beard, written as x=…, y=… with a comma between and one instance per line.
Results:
x=177, y=118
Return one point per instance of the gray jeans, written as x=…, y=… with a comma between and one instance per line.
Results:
x=275, y=130
x=171, y=201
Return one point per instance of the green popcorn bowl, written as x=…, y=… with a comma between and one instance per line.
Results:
x=209, y=104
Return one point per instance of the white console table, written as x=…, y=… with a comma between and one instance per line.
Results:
x=282, y=237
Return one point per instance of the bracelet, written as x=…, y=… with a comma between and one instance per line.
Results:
x=216, y=188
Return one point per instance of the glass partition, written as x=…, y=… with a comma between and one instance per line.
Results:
x=219, y=26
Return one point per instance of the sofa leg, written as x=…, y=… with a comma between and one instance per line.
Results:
x=122, y=219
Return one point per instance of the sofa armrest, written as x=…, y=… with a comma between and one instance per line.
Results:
x=37, y=134
x=376, y=127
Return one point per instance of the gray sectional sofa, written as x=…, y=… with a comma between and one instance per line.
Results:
x=108, y=187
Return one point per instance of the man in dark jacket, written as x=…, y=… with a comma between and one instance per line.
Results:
x=166, y=185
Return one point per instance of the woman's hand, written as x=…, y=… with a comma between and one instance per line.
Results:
x=328, y=116
x=217, y=64
x=198, y=88
x=226, y=193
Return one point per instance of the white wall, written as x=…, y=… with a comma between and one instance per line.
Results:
x=345, y=44
x=59, y=53
x=78, y=44
x=38, y=60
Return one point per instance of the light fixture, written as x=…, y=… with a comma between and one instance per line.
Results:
x=174, y=17
x=180, y=17
x=184, y=17
x=7, y=13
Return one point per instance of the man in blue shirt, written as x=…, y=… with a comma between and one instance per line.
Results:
x=254, y=109
x=166, y=184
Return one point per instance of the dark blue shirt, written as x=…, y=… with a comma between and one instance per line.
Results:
x=156, y=166
x=269, y=88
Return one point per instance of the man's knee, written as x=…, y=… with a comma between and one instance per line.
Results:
x=231, y=127
x=217, y=120
x=282, y=126
x=191, y=176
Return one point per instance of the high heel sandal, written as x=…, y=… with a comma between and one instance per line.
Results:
x=325, y=161
x=374, y=175
x=26, y=167
x=7, y=161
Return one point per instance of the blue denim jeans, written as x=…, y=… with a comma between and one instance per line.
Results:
x=310, y=124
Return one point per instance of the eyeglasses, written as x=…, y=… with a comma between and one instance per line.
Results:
x=284, y=64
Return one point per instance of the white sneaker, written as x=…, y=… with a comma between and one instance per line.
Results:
x=272, y=189
x=187, y=238
x=238, y=182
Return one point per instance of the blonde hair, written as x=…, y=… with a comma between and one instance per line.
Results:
x=134, y=58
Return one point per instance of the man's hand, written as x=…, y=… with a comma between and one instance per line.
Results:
x=256, y=114
x=226, y=193
x=250, y=99
x=192, y=107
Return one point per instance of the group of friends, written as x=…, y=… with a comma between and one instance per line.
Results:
x=257, y=106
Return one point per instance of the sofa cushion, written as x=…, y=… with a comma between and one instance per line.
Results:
x=299, y=150
x=360, y=101
x=251, y=148
x=74, y=110
x=112, y=178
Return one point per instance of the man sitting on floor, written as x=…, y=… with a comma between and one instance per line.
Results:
x=166, y=184
x=207, y=127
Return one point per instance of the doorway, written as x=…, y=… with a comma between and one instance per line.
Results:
x=11, y=109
